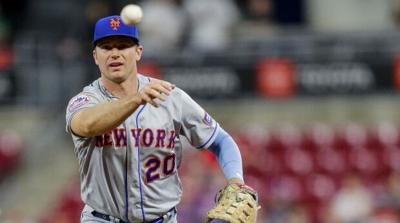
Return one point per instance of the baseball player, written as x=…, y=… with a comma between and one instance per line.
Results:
x=127, y=131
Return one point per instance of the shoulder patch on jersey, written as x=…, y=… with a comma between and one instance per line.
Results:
x=207, y=119
x=78, y=101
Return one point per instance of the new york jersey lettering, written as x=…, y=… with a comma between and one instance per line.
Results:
x=159, y=138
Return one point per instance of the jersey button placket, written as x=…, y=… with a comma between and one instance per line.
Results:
x=136, y=165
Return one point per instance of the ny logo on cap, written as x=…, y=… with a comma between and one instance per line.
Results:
x=115, y=23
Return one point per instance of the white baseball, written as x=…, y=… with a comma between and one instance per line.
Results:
x=131, y=14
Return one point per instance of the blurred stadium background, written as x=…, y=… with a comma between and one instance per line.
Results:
x=308, y=88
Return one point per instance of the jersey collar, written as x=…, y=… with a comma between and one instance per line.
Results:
x=141, y=80
x=104, y=89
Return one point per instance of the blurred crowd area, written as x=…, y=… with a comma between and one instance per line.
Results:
x=168, y=24
x=212, y=49
x=289, y=57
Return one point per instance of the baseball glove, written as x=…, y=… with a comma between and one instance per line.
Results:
x=236, y=203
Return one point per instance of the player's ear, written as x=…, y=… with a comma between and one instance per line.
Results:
x=139, y=51
x=95, y=56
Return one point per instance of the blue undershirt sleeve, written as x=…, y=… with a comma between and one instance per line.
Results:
x=228, y=155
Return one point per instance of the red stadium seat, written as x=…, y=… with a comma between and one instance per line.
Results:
x=391, y=158
x=286, y=188
x=332, y=162
x=290, y=136
x=364, y=162
x=298, y=161
x=319, y=135
x=271, y=163
x=10, y=153
x=374, y=141
x=354, y=135
x=388, y=134
x=69, y=208
x=320, y=187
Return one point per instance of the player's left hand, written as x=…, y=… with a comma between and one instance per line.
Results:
x=236, y=203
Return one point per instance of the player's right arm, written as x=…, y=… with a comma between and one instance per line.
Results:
x=106, y=116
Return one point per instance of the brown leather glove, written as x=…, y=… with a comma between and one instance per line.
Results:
x=236, y=203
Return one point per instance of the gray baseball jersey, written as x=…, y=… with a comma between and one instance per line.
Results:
x=131, y=171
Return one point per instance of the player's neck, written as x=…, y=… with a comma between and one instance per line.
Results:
x=123, y=89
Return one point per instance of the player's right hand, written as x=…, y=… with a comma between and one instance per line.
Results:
x=156, y=89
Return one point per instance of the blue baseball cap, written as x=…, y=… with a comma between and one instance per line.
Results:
x=113, y=26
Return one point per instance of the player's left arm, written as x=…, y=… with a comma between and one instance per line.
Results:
x=228, y=155
x=236, y=202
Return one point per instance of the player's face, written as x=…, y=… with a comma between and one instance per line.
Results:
x=116, y=57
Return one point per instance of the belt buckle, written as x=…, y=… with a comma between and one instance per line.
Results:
x=169, y=213
x=115, y=220
x=107, y=217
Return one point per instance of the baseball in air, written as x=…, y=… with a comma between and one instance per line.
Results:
x=131, y=14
